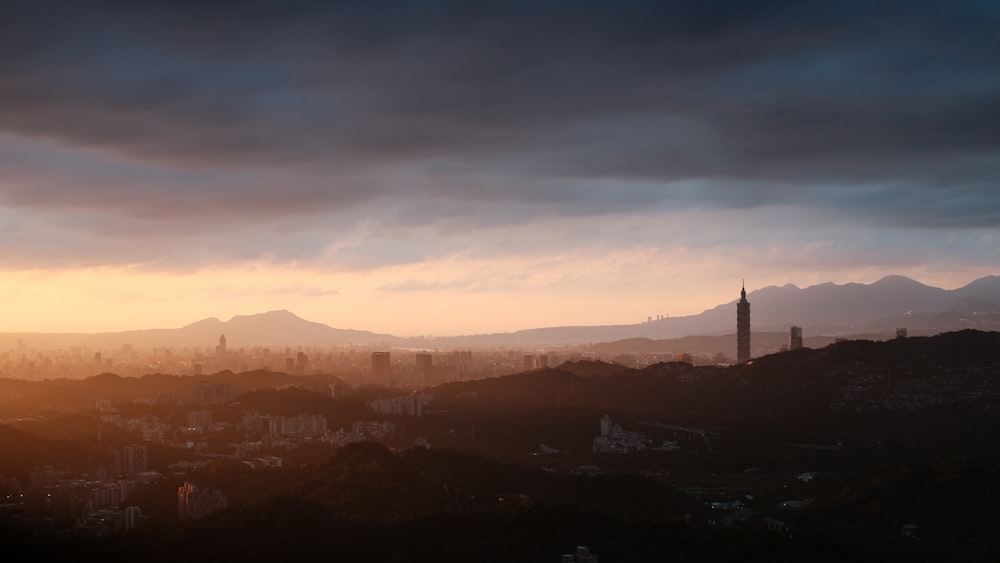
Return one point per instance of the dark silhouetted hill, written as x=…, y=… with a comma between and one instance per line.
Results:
x=795, y=390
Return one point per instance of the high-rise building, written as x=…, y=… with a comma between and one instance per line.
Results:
x=529, y=362
x=221, y=348
x=424, y=361
x=382, y=368
x=743, y=328
x=133, y=459
x=795, y=338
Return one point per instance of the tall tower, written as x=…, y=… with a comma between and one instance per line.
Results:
x=743, y=328
x=221, y=348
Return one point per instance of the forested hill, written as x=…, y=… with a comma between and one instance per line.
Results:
x=906, y=375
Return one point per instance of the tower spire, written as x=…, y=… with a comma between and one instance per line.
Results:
x=743, y=327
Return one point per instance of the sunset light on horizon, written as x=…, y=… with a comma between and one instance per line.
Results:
x=446, y=168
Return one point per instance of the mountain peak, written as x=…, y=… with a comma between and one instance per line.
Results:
x=985, y=284
x=283, y=314
x=897, y=280
x=209, y=322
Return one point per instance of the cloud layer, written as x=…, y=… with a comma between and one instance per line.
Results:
x=351, y=136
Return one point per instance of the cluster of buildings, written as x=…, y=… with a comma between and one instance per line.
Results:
x=303, y=425
x=405, y=405
x=361, y=431
x=194, y=502
x=107, y=462
x=262, y=430
x=867, y=387
x=358, y=365
x=96, y=502
x=533, y=361
x=613, y=439
x=213, y=394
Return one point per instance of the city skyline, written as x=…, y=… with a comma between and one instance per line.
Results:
x=449, y=169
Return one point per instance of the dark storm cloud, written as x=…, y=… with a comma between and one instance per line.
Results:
x=591, y=104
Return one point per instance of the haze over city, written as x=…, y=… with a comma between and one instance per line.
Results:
x=452, y=168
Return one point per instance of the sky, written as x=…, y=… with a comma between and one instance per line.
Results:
x=422, y=167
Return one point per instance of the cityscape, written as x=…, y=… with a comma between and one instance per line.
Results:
x=441, y=281
x=204, y=434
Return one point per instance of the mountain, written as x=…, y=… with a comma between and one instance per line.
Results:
x=274, y=328
x=278, y=328
x=827, y=309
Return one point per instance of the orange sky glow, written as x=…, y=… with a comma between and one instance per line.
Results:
x=494, y=169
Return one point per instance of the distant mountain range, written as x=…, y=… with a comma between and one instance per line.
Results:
x=827, y=309
x=822, y=310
